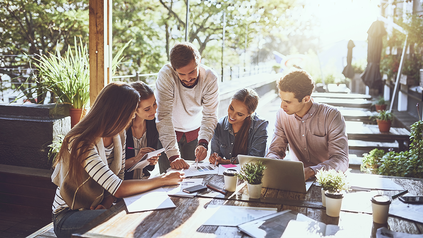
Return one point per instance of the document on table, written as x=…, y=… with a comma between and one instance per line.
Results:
x=223, y=215
x=177, y=189
x=143, y=161
x=360, y=202
x=152, y=200
x=409, y=211
x=369, y=181
x=202, y=169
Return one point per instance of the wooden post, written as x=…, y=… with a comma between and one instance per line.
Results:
x=100, y=45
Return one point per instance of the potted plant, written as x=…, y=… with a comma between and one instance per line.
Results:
x=380, y=104
x=371, y=161
x=253, y=173
x=67, y=77
x=383, y=119
x=333, y=183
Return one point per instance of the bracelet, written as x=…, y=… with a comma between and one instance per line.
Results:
x=204, y=143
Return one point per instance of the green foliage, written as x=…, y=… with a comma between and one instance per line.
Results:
x=380, y=101
x=67, y=77
x=33, y=26
x=389, y=65
x=359, y=66
x=371, y=161
x=405, y=163
x=383, y=115
x=332, y=180
x=54, y=147
x=412, y=66
x=252, y=172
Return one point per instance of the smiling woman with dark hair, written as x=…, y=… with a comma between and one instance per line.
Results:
x=241, y=131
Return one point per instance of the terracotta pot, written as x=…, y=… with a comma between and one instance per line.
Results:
x=380, y=107
x=384, y=126
x=76, y=115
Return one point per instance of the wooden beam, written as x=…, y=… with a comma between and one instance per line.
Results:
x=100, y=45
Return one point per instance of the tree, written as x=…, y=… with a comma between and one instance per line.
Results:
x=36, y=27
x=29, y=28
x=141, y=21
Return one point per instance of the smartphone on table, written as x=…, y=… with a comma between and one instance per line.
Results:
x=412, y=199
x=195, y=188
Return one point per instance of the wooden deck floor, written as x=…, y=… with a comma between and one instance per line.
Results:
x=20, y=224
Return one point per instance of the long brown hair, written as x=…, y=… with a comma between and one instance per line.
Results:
x=250, y=99
x=143, y=89
x=111, y=112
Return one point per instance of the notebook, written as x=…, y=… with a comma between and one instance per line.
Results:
x=281, y=174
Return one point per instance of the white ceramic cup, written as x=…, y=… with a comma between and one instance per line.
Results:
x=380, y=208
x=230, y=179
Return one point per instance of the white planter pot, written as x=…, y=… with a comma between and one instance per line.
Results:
x=333, y=203
x=323, y=197
x=254, y=190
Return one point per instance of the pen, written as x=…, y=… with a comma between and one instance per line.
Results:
x=196, y=163
x=215, y=163
x=132, y=148
x=399, y=194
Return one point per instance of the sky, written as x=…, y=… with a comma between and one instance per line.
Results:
x=344, y=19
x=341, y=21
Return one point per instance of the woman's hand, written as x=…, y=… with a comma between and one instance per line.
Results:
x=173, y=178
x=154, y=160
x=219, y=160
x=142, y=152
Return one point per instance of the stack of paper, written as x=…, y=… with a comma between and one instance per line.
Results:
x=152, y=200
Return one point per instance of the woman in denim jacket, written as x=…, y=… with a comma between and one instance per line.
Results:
x=240, y=132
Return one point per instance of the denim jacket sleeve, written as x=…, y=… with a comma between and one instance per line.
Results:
x=258, y=138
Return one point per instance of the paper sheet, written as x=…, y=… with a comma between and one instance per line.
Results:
x=152, y=200
x=369, y=181
x=203, y=169
x=143, y=162
x=222, y=215
x=360, y=202
x=177, y=190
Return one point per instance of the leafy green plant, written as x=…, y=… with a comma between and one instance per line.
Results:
x=359, y=67
x=371, y=161
x=54, y=147
x=406, y=163
x=380, y=101
x=332, y=180
x=412, y=67
x=389, y=65
x=383, y=115
x=252, y=172
x=66, y=76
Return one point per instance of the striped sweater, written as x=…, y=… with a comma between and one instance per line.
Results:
x=96, y=168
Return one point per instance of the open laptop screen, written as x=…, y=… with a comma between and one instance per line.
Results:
x=280, y=174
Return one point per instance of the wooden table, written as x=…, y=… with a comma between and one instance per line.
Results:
x=358, y=114
x=187, y=218
x=341, y=95
x=366, y=132
x=339, y=102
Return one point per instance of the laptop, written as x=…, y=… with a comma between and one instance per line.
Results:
x=281, y=174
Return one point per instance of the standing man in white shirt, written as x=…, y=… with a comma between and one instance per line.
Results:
x=187, y=98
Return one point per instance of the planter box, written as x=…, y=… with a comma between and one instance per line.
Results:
x=26, y=131
x=407, y=80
